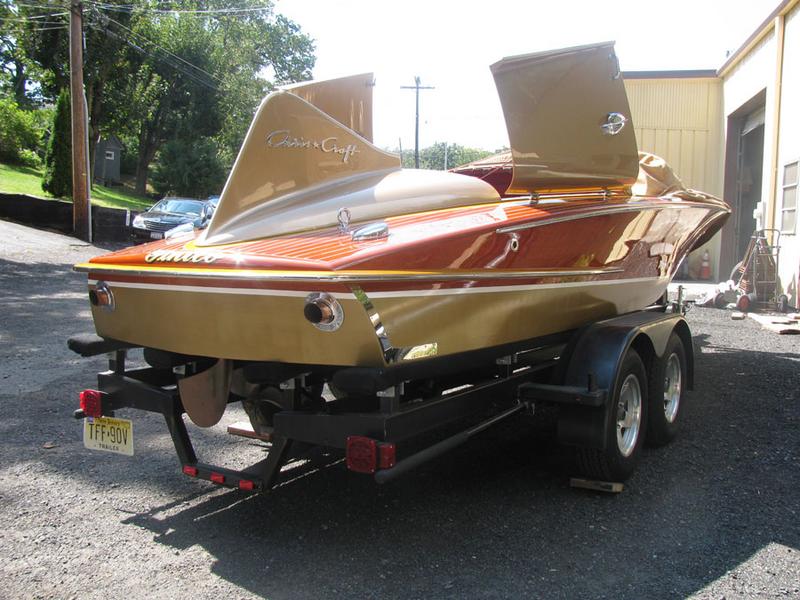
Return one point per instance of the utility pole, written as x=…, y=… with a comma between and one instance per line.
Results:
x=416, y=87
x=80, y=171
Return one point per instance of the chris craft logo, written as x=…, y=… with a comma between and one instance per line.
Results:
x=179, y=256
x=282, y=138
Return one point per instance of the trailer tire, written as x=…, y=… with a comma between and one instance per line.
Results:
x=668, y=377
x=627, y=406
x=262, y=404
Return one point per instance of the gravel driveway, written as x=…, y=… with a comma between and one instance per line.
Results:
x=714, y=515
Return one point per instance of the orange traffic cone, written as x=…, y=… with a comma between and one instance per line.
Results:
x=705, y=266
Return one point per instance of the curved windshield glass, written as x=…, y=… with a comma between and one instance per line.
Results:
x=179, y=205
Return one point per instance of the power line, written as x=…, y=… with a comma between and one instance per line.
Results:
x=43, y=6
x=183, y=60
x=165, y=57
x=211, y=11
x=32, y=22
x=167, y=52
x=33, y=19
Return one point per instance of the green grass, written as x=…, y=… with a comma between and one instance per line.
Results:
x=119, y=198
x=26, y=180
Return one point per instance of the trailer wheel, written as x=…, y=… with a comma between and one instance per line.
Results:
x=625, y=425
x=667, y=387
x=262, y=404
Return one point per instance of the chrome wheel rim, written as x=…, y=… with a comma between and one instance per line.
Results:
x=672, y=387
x=629, y=414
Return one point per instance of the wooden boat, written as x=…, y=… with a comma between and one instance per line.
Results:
x=324, y=251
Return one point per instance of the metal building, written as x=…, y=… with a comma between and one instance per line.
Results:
x=735, y=132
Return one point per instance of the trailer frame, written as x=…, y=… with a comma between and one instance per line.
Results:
x=576, y=371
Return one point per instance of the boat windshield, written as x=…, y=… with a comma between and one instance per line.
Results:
x=179, y=205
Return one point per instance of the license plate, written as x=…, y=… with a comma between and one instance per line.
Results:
x=156, y=235
x=108, y=434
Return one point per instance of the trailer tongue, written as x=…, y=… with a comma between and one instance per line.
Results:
x=614, y=382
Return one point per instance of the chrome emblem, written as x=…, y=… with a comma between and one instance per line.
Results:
x=615, y=122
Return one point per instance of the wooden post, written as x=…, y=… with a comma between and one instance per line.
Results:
x=80, y=178
x=416, y=87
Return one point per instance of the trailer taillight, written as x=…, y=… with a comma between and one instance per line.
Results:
x=217, y=477
x=91, y=402
x=387, y=455
x=362, y=454
x=246, y=484
x=365, y=455
x=190, y=470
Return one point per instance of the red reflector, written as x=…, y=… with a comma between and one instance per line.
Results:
x=91, y=403
x=190, y=470
x=387, y=454
x=217, y=477
x=246, y=484
x=362, y=454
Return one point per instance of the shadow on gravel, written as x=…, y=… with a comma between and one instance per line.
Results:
x=29, y=305
x=20, y=273
x=496, y=517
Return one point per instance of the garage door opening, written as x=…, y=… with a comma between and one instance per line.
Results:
x=744, y=164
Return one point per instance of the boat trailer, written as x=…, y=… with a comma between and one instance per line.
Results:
x=379, y=415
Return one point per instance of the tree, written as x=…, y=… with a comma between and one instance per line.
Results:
x=57, y=178
x=30, y=32
x=12, y=71
x=433, y=157
x=20, y=134
x=158, y=71
x=199, y=75
x=189, y=169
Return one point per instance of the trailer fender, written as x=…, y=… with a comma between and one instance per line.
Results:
x=594, y=357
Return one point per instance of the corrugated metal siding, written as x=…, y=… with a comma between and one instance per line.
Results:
x=681, y=121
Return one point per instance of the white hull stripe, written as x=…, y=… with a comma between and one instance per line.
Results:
x=395, y=294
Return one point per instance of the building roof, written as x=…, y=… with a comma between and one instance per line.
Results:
x=763, y=29
x=112, y=141
x=671, y=74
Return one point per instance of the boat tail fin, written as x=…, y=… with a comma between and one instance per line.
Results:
x=291, y=145
x=346, y=99
x=568, y=120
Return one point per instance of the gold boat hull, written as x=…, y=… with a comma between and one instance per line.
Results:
x=268, y=325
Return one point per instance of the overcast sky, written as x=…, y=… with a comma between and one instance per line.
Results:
x=450, y=45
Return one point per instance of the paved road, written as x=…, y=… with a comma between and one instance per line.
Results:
x=714, y=515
